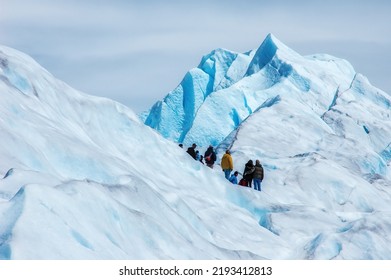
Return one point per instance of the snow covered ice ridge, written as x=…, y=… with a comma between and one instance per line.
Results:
x=84, y=178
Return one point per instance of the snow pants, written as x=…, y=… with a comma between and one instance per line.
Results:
x=257, y=184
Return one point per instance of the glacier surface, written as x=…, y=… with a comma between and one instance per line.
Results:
x=84, y=178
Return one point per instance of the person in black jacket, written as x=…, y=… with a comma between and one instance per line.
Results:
x=210, y=157
x=191, y=151
x=248, y=172
x=258, y=175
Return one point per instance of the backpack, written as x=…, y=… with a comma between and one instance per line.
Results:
x=243, y=182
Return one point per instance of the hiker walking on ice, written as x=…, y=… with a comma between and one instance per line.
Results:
x=227, y=164
x=191, y=151
x=249, y=172
x=210, y=157
x=258, y=175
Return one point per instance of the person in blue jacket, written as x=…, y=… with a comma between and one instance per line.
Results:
x=234, y=178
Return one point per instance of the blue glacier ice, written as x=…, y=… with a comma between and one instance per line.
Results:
x=232, y=86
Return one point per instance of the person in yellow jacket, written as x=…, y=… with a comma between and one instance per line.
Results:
x=227, y=164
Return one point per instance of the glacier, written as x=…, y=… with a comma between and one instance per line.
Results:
x=85, y=178
x=235, y=88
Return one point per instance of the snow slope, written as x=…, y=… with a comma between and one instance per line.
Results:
x=329, y=173
x=323, y=134
x=85, y=179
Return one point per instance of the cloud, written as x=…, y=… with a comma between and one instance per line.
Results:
x=144, y=48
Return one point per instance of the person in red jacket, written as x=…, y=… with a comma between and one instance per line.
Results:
x=210, y=156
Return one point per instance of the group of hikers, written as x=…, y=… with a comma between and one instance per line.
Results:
x=252, y=172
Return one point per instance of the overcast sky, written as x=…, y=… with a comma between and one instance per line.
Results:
x=135, y=52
